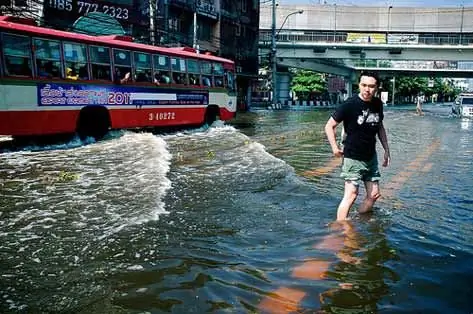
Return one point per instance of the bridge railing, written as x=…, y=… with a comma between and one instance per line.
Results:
x=344, y=36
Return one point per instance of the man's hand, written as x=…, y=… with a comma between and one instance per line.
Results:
x=387, y=159
x=337, y=152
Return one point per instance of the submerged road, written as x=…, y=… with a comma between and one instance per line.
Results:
x=238, y=218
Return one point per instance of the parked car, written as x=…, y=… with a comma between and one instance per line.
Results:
x=463, y=106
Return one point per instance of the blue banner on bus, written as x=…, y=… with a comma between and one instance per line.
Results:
x=53, y=94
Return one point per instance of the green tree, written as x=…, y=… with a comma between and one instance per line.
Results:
x=306, y=83
x=410, y=87
x=407, y=86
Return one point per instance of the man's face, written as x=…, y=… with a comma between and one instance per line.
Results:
x=367, y=87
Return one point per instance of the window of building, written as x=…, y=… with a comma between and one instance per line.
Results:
x=244, y=5
x=204, y=31
x=48, y=58
x=174, y=24
x=122, y=64
x=100, y=63
x=162, y=69
x=142, y=67
x=178, y=67
x=75, y=58
x=17, y=55
x=193, y=68
x=21, y=3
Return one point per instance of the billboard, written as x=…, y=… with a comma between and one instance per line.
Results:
x=53, y=94
x=403, y=39
x=375, y=38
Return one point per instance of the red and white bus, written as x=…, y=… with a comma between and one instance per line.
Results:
x=54, y=82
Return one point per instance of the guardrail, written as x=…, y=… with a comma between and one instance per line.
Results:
x=342, y=37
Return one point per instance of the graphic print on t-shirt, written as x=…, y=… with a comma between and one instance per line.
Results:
x=368, y=117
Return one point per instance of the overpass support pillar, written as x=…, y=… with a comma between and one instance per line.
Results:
x=283, y=87
x=348, y=88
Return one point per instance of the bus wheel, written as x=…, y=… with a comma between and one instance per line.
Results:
x=94, y=121
x=211, y=114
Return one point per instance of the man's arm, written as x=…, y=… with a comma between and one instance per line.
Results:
x=384, y=142
x=331, y=136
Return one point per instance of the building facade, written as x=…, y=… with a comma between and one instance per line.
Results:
x=227, y=28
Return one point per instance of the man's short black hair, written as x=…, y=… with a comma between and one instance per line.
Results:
x=370, y=74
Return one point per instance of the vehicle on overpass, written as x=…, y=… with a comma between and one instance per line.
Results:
x=463, y=105
x=56, y=82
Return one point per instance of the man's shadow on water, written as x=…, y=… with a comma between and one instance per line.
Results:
x=360, y=274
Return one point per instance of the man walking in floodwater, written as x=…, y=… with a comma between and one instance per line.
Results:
x=419, y=102
x=362, y=116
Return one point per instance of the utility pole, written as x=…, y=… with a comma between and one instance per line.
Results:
x=394, y=88
x=194, y=37
x=335, y=22
x=461, y=25
x=273, y=54
x=166, y=22
x=152, y=19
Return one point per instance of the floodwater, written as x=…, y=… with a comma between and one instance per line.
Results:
x=237, y=218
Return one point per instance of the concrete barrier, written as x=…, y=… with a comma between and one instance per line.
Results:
x=308, y=105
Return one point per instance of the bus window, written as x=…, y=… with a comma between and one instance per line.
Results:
x=100, y=63
x=122, y=65
x=206, y=74
x=48, y=58
x=75, y=58
x=230, y=80
x=162, y=72
x=178, y=67
x=17, y=55
x=193, y=68
x=142, y=67
x=218, y=74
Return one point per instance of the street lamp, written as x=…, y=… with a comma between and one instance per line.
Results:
x=273, y=47
x=389, y=22
x=334, y=22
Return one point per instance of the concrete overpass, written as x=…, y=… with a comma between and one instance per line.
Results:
x=341, y=40
x=337, y=58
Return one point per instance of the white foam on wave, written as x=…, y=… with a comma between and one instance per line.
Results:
x=112, y=184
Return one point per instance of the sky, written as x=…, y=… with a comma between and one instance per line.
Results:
x=380, y=3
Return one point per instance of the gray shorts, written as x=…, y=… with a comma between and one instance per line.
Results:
x=357, y=170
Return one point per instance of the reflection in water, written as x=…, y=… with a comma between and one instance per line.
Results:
x=357, y=278
x=360, y=271
x=465, y=124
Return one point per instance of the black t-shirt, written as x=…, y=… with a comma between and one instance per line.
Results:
x=361, y=121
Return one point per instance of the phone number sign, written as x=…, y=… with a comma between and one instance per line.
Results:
x=72, y=9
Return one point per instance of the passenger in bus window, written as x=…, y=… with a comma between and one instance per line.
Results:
x=17, y=66
x=179, y=78
x=83, y=75
x=162, y=77
x=44, y=69
x=71, y=74
x=219, y=82
x=143, y=76
x=207, y=81
x=101, y=72
x=194, y=79
x=118, y=78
